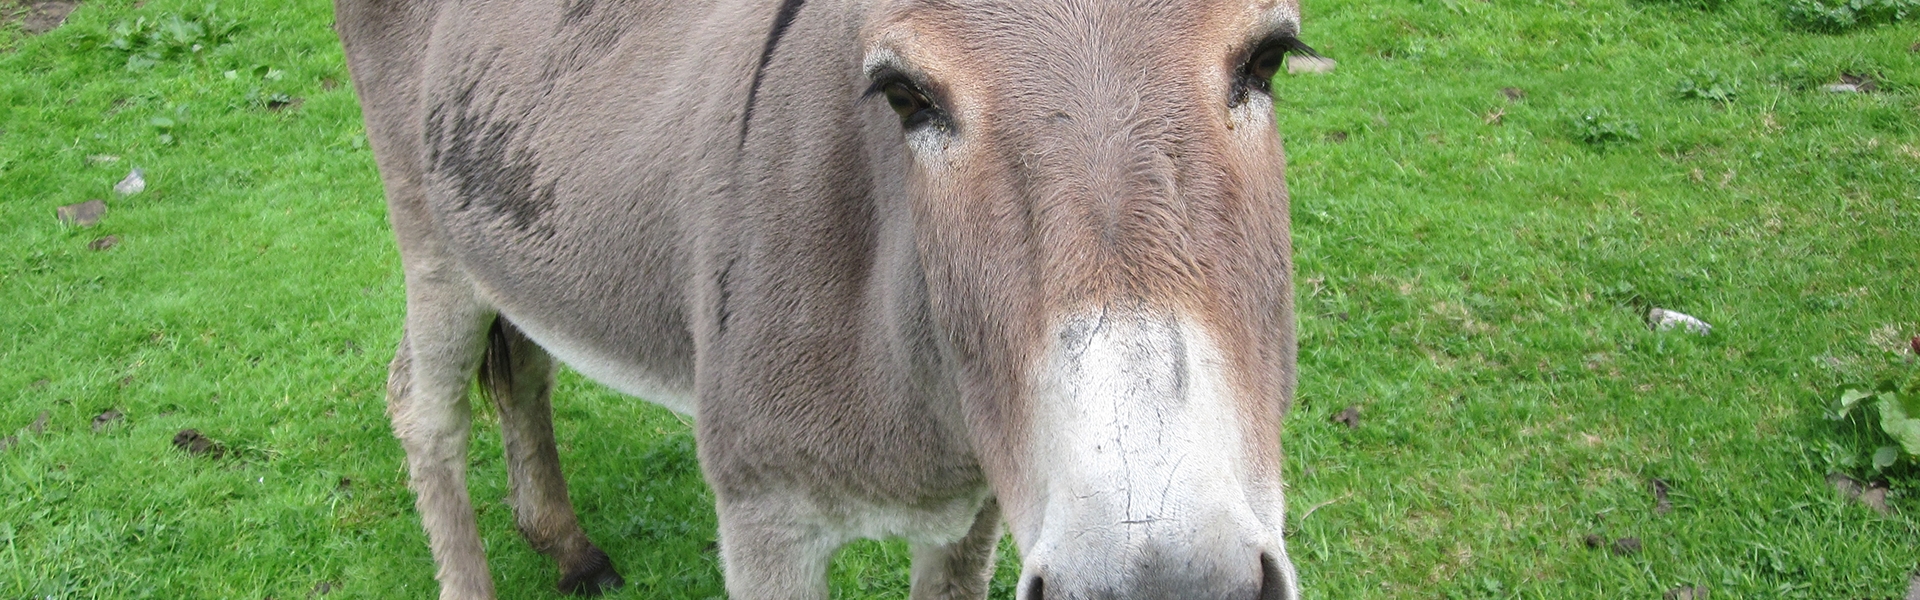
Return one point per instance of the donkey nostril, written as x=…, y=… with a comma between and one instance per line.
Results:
x=1036, y=589
x=1273, y=581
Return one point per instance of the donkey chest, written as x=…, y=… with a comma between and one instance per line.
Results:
x=937, y=522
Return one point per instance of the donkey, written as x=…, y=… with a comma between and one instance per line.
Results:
x=916, y=268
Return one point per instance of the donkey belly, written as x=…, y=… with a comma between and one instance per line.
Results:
x=567, y=155
x=605, y=365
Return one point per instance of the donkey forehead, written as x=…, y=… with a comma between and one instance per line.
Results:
x=1001, y=39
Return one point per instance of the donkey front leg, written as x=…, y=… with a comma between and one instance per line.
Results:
x=960, y=570
x=427, y=400
x=772, y=551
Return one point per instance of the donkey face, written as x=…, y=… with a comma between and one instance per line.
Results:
x=1102, y=219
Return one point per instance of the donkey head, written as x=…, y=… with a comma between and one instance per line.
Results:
x=1100, y=211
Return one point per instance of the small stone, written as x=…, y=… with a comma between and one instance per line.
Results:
x=1853, y=84
x=1626, y=546
x=104, y=243
x=84, y=214
x=1847, y=485
x=1872, y=494
x=1349, y=417
x=102, y=420
x=323, y=588
x=134, y=183
x=1318, y=65
x=1661, y=319
x=1688, y=592
x=1875, y=497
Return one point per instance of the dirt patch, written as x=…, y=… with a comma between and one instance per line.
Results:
x=106, y=419
x=1626, y=546
x=194, y=444
x=1349, y=417
x=84, y=214
x=37, y=17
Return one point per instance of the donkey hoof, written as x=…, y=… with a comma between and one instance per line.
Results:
x=592, y=577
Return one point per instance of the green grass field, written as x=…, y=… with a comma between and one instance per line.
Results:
x=1474, y=266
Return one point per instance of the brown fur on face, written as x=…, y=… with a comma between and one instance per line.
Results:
x=1086, y=169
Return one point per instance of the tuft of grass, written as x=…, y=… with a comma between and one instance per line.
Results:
x=1601, y=127
x=1475, y=287
x=1695, y=4
x=1832, y=16
x=169, y=36
x=1709, y=85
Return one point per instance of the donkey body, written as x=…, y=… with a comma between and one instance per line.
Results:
x=914, y=267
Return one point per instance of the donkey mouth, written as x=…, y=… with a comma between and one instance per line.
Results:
x=1148, y=489
x=1170, y=578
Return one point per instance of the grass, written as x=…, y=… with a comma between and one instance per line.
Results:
x=1472, y=271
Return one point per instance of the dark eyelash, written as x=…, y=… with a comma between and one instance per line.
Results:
x=884, y=78
x=1292, y=45
x=1246, y=83
x=1285, y=43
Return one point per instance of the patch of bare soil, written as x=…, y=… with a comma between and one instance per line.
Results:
x=37, y=17
x=84, y=214
x=1349, y=417
x=191, y=442
x=106, y=419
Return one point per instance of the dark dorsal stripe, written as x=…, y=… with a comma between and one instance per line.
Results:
x=781, y=20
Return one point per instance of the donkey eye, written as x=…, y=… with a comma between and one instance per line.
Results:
x=1265, y=65
x=1265, y=62
x=913, y=107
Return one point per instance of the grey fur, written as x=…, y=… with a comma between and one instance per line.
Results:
x=690, y=200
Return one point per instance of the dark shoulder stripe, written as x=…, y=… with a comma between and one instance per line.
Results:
x=781, y=20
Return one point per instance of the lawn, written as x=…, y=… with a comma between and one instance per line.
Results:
x=1488, y=198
